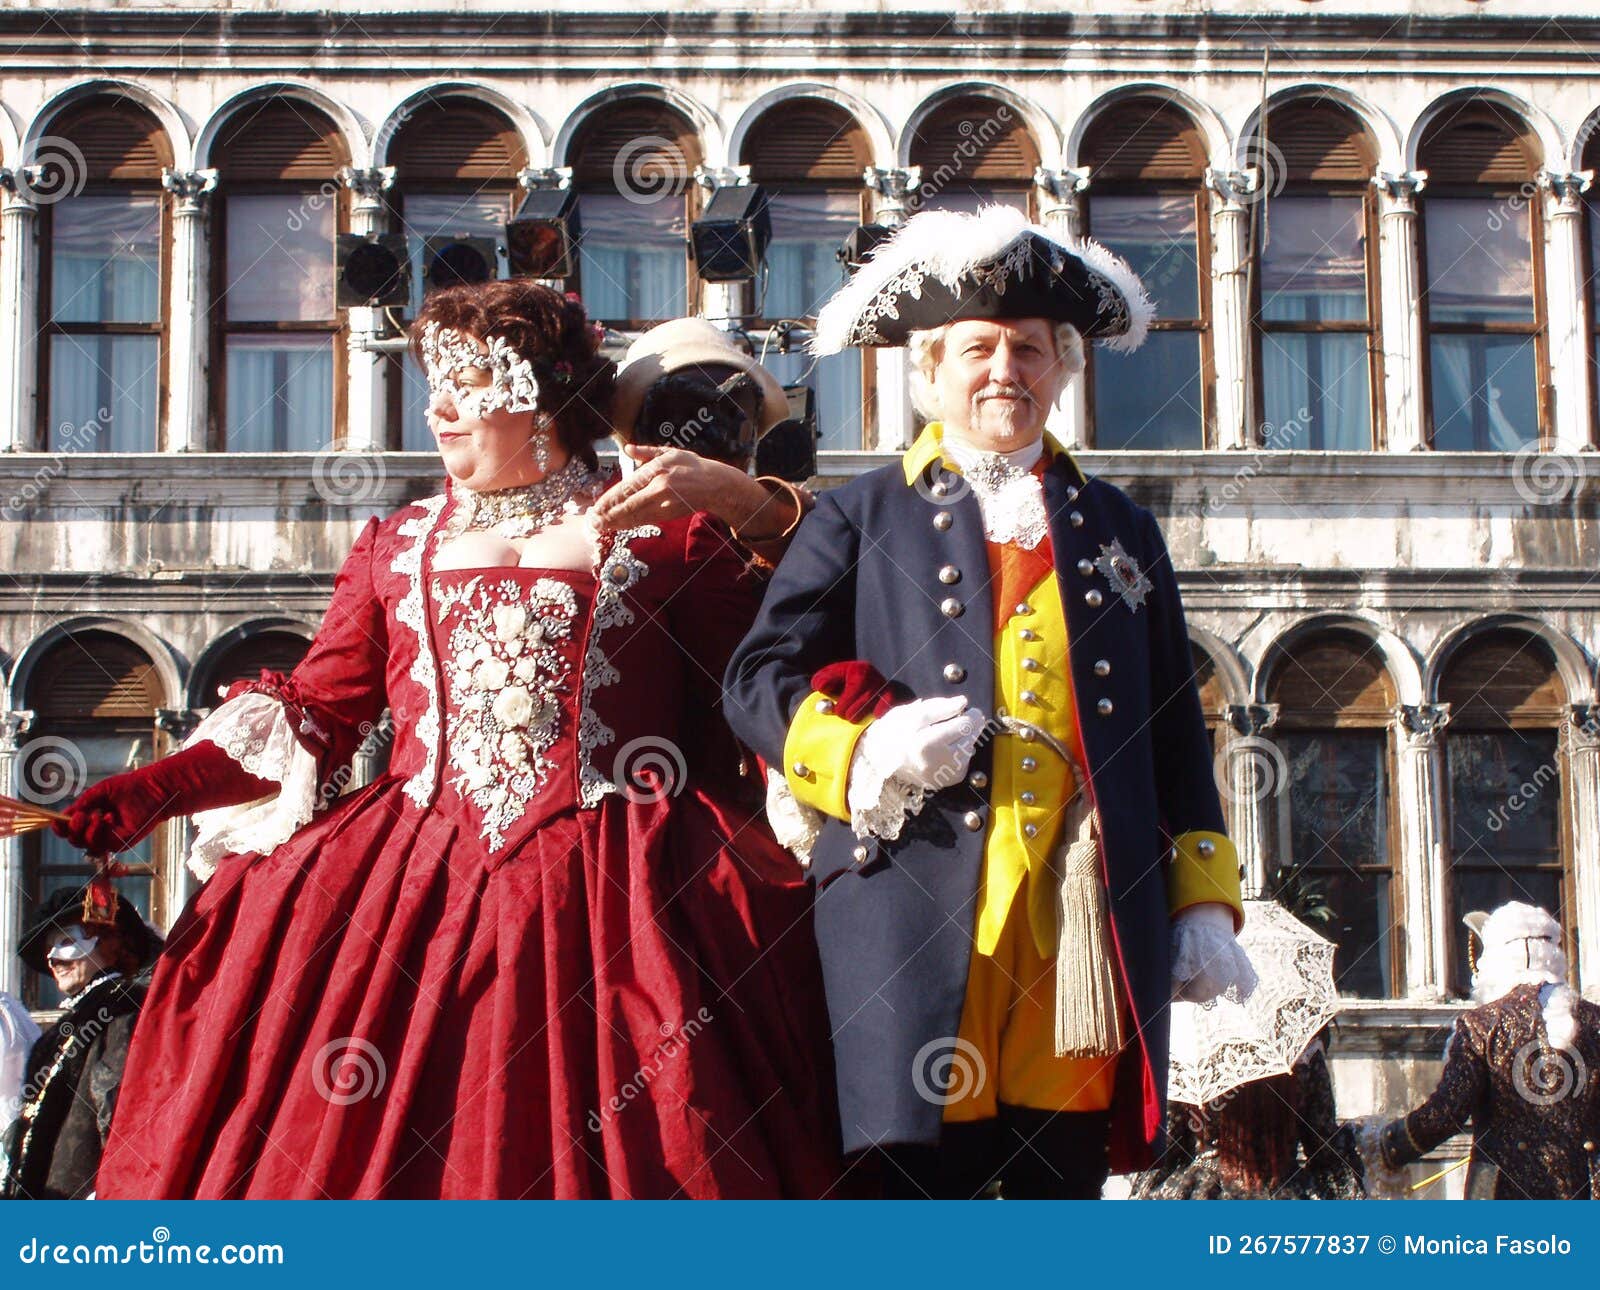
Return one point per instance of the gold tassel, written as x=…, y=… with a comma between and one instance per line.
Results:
x=1088, y=1016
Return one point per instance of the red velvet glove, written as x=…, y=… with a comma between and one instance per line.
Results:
x=118, y=813
x=858, y=689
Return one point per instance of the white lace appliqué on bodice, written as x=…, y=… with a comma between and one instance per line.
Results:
x=506, y=673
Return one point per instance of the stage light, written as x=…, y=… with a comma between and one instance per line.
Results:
x=372, y=271
x=730, y=238
x=542, y=237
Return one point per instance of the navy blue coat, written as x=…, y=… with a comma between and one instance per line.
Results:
x=860, y=581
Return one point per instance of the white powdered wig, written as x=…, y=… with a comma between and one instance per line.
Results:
x=1522, y=946
x=948, y=245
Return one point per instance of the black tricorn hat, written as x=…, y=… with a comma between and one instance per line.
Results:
x=63, y=908
x=947, y=266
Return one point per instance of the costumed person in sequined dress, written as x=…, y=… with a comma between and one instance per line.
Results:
x=541, y=956
x=75, y=1071
x=1523, y=1068
x=972, y=678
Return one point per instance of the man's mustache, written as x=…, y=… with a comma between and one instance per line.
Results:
x=1002, y=392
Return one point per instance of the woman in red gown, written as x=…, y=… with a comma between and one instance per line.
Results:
x=552, y=952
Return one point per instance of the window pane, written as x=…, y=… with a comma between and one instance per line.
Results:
x=1314, y=260
x=1156, y=236
x=414, y=433
x=424, y=215
x=1316, y=390
x=1505, y=824
x=103, y=392
x=105, y=260
x=280, y=258
x=1483, y=393
x=803, y=268
x=1480, y=262
x=836, y=380
x=1338, y=830
x=280, y=393
x=1150, y=399
x=634, y=258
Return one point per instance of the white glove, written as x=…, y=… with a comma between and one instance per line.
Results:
x=1207, y=961
x=925, y=743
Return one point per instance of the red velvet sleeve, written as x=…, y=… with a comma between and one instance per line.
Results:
x=337, y=692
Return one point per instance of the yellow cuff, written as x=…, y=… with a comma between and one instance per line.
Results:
x=1197, y=879
x=817, y=753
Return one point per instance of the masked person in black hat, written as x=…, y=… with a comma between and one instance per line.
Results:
x=973, y=670
x=75, y=1068
x=690, y=407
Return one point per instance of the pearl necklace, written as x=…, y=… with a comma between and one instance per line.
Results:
x=522, y=511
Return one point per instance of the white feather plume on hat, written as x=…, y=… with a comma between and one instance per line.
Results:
x=949, y=245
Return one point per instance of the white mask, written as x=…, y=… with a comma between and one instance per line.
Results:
x=447, y=352
x=72, y=945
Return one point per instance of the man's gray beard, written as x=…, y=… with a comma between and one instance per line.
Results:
x=1008, y=420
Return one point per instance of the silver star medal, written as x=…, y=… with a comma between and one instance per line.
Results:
x=1122, y=571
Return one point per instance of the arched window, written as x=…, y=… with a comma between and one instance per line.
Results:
x=1591, y=275
x=1508, y=819
x=103, y=285
x=974, y=150
x=810, y=155
x=94, y=697
x=272, y=650
x=1147, y=202
x=280, y=341
x=456, y=165
x=1213, y=692
x=633, y=164
x=1316, y=304
x=1483, y=302
x=1336, y=827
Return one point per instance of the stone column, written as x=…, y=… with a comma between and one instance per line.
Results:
x=172, y=864
x=19, y=273
x=896, y=190
x=366, y=399
x=1252, y=774
x=1580, y=735
x=1565, y=289
x=13, y=725
x=1234, y=191
x=1419, y=803
x=1400, y=307
x=189, y=320
x=1061, y=203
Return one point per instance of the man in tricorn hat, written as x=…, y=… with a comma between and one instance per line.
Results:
x=75, y=1069
x=972, y=669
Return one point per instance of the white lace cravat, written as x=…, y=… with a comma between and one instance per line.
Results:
x=1010, y=496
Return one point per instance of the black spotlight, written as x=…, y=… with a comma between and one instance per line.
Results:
x=542, y=237
x=864, y=239
x=372, y=271
x=450, y=261
x=731, y=235
x=789, y=449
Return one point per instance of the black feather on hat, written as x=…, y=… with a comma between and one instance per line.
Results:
x=65, y=907
x=947, y=266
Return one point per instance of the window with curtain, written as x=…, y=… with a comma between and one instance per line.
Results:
x=1335, y=826
x=456, y=163
x=810, y=155
x=1591, y=215
x=633, y=164
x=1506, y=784
x=280, y=336
x=103, y=254
x=1146, y=202
x=1482, y=296
x=1316, y=336
x=974, y=151
x=94, y=698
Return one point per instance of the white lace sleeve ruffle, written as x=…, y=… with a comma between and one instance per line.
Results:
x=1207, y=961
x=257, y=731
x=880, y=804
x=1382, y=1182
x=793, y=823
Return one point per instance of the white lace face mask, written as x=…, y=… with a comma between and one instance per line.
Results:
x=448, y=354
